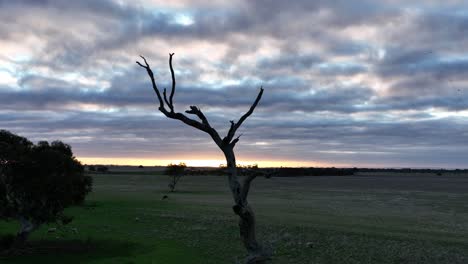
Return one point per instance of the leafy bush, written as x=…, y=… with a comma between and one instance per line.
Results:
x=37, y=182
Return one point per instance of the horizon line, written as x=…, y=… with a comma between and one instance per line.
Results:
x=215, y=163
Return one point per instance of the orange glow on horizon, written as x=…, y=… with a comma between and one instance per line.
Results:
x=196, y=162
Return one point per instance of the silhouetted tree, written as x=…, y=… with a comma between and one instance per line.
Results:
x=175, y=172
x=37, y=182
x=239, y=190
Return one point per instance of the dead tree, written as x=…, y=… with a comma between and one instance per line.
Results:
x=240, y=190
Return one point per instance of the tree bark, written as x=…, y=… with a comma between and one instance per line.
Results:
x=256, y=253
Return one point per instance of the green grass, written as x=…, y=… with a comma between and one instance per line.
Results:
x=304, y=220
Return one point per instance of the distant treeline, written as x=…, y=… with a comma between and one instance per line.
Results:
x=314, y=171
x=410, y=170
x=294, y=172
x=288, y=172
x=279, y=172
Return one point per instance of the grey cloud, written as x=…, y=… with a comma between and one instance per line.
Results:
x=344, y=12
x=333, y=99
x=134, y=89
x=423, y=79
x=125, y=136
x=422, y=62
x=320, y=102
x=342, y=69
x=402, y=56
x=436, y=28
x=102, y=7
x=396, y=143
x=293, y=62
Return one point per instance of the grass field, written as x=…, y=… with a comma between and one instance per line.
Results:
x=348, y=219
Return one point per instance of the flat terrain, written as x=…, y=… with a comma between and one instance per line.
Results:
x=399, y=218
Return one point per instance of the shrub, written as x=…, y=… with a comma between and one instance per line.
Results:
x=37, y=182
x=175, y=172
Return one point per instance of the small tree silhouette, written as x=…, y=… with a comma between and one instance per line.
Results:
x=175, y=172
x=239, y=190
x=37, y=182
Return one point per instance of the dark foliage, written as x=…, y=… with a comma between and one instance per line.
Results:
x=175, y=172
x=37, y=182
x=278, y=172
x=6, y=241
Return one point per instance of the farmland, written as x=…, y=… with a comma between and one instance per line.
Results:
x=365, y=218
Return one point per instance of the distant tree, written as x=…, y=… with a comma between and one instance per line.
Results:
x=239, y=190
x=140, y=167
x=91, y=168
x=248, y=167
x=102, y=169
x=175, y=172
x=37, y=182
x=249, y=170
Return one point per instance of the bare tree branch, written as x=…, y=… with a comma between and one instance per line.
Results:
x=233, y=143
x=165, y=100
x=252, y=108
x=203, y=126
x=235, y=126
x=196, y=111
x=214, y=134
x=173, y=82
x=153, y=82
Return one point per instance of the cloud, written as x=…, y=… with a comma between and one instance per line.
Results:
x=293, y=62
x=346, y=83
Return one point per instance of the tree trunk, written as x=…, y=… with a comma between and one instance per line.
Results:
x=256, y=253
x=226, y=144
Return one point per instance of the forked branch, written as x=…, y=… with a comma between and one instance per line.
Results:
x=203, y=126
x=153, y=82
x=236, y=125
x=239, y=192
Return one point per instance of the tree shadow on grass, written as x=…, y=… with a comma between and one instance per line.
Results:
x=70, y=251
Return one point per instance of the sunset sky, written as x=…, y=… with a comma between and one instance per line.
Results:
x=347, y=83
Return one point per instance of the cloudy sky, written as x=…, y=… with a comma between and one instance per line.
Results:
x=347, y=83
